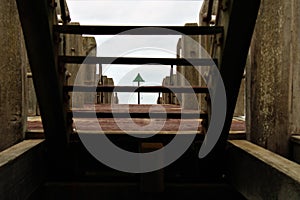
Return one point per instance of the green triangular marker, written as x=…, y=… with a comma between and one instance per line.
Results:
x=138, y=78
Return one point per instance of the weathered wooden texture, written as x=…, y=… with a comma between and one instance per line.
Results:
x=261, y=174
x=12, y=76
x=22, y=169
x=90, y=49
x=274, y=76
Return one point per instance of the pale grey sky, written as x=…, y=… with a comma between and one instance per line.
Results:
x=136, y=12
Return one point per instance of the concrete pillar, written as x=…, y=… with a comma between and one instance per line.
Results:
x=12, y=77
x=274, y=76
x=105, y=94
x=32, y=105
x=190, y=49
x=110, y=95
x=207, y=50
x=166, y=96
x=116, y=98
x=179, y=71
x=174, y=79
x=240, y=104
x=74, y=47
x=100, y=94
x=90, y=49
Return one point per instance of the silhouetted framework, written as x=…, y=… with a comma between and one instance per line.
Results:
x=232, y=32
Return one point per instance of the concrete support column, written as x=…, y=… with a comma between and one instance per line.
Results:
x=294, y=106
x=240, y=104
x=179, y=71
x=32, y=105
x=105, y=94
x=190, y=49
x=206, y=44
x=173, y=97
x=110, y=97
x=12, y=77
x=274, y=76
x=116, y=98
x=90, y=49
x=166, y=96
x=74, y=47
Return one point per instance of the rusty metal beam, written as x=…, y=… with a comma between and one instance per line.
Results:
x=148, y=89
x=137, y=61
x=139, y=30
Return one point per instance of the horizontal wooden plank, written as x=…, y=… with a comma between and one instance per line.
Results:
x=268, y=175
x=22, y=169
x=146, y=89
x=90, y=114
x=138, y=30
x=136, y=61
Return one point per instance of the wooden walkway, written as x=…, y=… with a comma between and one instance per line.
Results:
x=117, y=125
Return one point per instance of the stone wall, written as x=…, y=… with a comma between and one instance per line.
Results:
x=12, y=77
x=273, y=76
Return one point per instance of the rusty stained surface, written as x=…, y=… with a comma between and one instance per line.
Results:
x=121, y=124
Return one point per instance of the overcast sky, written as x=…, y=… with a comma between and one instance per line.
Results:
x=136, y=12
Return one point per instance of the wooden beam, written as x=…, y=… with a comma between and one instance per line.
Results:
x=147, y=89
x=136, y=61
x=240, y=17
x=36, y=20
x=145, y=115
x=138, y=30
x=22, y=169
x=258, y=173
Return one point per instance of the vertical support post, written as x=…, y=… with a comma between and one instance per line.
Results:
x=239, y=20
x=37, y=19
x=139, y=97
